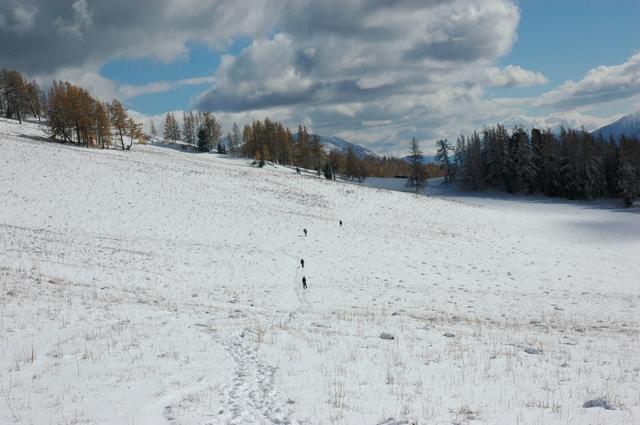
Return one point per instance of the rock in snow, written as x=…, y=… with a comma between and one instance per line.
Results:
x=599, y=402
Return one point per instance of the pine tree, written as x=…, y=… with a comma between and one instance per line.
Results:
x=209, y=132
x=418, y=176
x=628, y=183
x=328, y=172
x=525, y=167
x=203, y=139
x=629, y=171
x=442, y=156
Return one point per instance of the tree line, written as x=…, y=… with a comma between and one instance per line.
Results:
x=73, y=114
x=266, y=141
x=573, y=164
x=199, y=129
x=19, y=97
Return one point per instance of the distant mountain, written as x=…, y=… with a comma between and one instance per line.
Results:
x=629, y=125
x=426, y=159
x=335, y=143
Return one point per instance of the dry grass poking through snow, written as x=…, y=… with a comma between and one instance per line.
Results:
x=154, y=286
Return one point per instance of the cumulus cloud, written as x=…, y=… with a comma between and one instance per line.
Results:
x=599, y=85
x=514, y=76
x=17, y=17
x=375, y=71
x=47, y=35
x=81, y=19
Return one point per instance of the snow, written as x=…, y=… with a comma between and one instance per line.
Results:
x=157, y=286
x=335, y=143
x=629, y=125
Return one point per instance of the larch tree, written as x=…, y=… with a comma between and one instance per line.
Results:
x=171, y=128
x=118, y=115
x=235, y=140
x=102, y=125
x=351, y=164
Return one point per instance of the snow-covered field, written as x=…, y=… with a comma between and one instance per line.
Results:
x=161, y=287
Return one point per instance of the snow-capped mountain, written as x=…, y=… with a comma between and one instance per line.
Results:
x=335, y=143
x=629, y=125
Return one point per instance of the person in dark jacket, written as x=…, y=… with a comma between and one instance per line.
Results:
x=340, y=223
x=302, y=262
x=304, y=282
x=305, y=231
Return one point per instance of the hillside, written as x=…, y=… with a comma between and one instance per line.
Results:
x=629, y=125
x=335, y=143
x=161, y=287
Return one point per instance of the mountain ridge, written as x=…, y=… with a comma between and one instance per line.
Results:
x=629, y=125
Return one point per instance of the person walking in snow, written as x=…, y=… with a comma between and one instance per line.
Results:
x=302, y=262
x=340, y=223
x=304, y=282
x=305, y=231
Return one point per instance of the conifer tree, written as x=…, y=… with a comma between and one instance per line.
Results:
x=351, y=164
x=235, y=139
x=171, y=128
x=303, y=148
x=118, y=115
x=418, y=176
x=525, y=167
x=315, y=148
x=189, y=131
x=102, y=125
x=442, y=156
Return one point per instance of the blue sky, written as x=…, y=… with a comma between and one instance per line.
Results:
x=376, y=73
x=562, y=39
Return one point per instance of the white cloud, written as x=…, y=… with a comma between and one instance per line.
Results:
x=599, y=85
x=514, y=76
x=129, y=91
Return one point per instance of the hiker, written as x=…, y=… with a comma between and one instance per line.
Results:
x=304, y=282
x=305, y=231
x=297, y=170
x=302, y=262
x=340, y=223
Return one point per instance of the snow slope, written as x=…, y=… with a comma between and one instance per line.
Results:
x=162, y=287
x=629, y=125
x=335, y=143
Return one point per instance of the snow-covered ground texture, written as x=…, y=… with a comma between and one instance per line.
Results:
x=161, y=287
